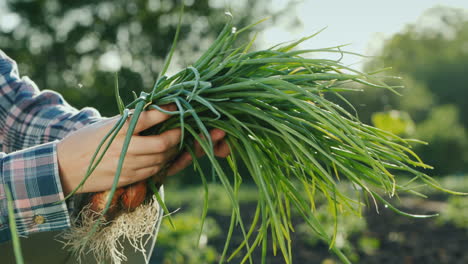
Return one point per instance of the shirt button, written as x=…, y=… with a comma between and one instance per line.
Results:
x=39, y=219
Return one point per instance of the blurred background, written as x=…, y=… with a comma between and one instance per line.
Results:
x=74, y=47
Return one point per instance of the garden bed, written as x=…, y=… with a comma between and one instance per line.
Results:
x=376, y=238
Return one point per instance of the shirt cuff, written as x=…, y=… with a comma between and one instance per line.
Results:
x=33, y=177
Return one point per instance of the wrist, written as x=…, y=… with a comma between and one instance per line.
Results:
x=62, y=163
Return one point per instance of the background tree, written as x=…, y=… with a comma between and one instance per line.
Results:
x=74, y=46
x=431, y=55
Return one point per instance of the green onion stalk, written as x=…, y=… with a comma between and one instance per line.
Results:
x=281, y=125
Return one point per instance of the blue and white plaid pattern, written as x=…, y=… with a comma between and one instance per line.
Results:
x=31, y=122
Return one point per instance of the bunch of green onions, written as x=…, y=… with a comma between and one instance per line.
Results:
x=295, y=142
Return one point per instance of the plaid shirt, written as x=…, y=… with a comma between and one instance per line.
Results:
x=31, y=123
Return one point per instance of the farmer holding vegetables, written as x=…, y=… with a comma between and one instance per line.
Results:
x=46, y=146
x=294, y=141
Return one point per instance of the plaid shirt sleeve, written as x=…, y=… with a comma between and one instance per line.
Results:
x=31, y=122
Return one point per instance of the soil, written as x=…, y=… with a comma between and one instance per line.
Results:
x=414, y=241
x=400, y=239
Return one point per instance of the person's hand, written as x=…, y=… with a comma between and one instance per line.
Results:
x=146, y=155
x=221, y=149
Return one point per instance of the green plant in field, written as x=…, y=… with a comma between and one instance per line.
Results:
x=13, y=228
x=193, y=197
x=456, y=212
x=185, y=244
x=369, y=244
x=348, y=224
x=295, y=143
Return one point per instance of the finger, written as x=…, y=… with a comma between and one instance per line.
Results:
x=215, y=134
x=181, y=163
x=222, y=149
x=150, y=160
x=145, y=173
x=153, y=117
x=155, y=144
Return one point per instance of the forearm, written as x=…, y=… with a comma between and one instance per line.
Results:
x=32, y=175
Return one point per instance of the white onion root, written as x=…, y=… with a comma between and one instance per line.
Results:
x=106, y=244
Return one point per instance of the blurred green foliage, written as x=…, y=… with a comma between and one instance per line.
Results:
x=369, y=244
x=431, y=55
x=182, y=244
x=74, y=46
x=455, y=212
x=185, y=244
x=396, y=122
x=193, y=197
x=348, y=225
x=447, y=137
